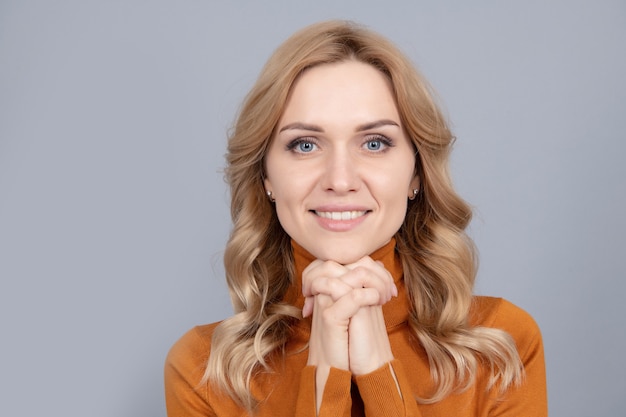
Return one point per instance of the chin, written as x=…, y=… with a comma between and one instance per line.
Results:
x=342, y=255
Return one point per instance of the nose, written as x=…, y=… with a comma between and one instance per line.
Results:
x=341, y=174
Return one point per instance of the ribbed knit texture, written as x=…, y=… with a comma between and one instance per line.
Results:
x=290, y=390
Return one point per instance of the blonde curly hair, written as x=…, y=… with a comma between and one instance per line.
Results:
x=438, y=257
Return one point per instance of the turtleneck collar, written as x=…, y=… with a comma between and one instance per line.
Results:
x=395, y=311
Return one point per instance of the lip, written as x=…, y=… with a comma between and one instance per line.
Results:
x=340, y=218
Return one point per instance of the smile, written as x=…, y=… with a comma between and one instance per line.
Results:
x=341, y=215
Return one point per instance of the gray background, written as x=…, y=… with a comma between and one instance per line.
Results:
x=113, y=211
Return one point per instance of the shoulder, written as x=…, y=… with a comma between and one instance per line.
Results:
x=528, y=398
x=498, y=312
x=502, y=314
x=190, y=353
x=184, y=368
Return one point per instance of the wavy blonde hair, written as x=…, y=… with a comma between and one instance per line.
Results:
x=437, y=256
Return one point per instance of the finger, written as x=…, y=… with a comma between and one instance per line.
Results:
x=318, y=269
x=377, y=267
x=368, y=341
x=362, y=277
x=333, y=287
x=307, y=309
x=371, y=275
x=381, y=271
x=328, y=344
x=347, y=306
x=326, y=277
x=338, y=287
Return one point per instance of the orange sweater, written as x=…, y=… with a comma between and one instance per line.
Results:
x=290, y=390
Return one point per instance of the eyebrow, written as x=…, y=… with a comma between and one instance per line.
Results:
x=360, y=128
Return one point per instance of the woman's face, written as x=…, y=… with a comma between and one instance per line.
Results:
x=340, y=166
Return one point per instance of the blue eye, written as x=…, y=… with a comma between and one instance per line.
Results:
x=305, y=147
x=301, y=145
x=377, y=144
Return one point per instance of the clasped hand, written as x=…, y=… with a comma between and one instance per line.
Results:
x=348, y=328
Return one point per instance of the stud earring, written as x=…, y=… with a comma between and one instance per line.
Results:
x=270, y=196
x=415, y=191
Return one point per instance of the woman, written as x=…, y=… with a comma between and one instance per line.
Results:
x=348, y=265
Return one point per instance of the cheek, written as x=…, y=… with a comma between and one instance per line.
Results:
x=290, y=218
x=288, y=187
x=288, y=201
x=395, y=186
x=397, y=202
x=293, y=182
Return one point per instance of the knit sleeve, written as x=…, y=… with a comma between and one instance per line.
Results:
x=380, y=394
x=184, y=368
x=529, y=398
x=336, y=399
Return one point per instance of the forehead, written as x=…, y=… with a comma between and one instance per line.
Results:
x=345, y=89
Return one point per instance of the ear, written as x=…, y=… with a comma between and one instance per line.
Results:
x=267, y=184
x=414, y=185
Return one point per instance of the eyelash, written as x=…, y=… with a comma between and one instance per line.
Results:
x=291, y=146
x=385, y=142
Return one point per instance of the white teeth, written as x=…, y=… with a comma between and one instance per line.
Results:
x=340, y=215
